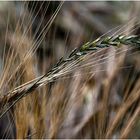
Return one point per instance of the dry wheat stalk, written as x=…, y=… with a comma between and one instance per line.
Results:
x=76, y=55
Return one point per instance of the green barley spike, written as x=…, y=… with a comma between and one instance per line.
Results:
x=62, y=63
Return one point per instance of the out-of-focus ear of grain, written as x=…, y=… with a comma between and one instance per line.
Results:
x=16, y=42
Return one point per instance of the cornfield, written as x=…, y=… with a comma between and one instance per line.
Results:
x=69, y=69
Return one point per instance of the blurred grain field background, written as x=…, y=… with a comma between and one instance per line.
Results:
x=88, y=90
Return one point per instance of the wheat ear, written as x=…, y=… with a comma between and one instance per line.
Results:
x=21, y=91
